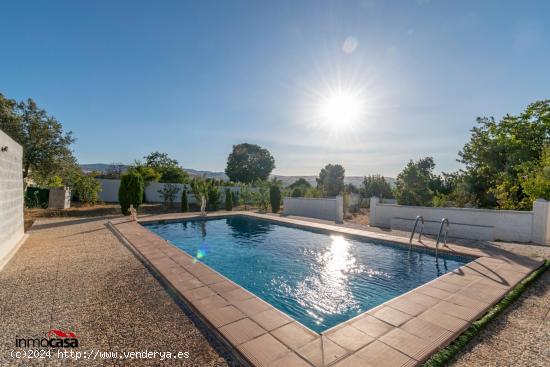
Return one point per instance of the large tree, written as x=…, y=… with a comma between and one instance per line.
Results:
x=46, y=147
x=500, y=152
x=248, y=163
x=301, y=182
x=331, y=179
x=168, y=168
x=413, y=183
x=376, y=185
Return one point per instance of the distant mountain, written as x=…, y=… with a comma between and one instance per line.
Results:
x=287, y=180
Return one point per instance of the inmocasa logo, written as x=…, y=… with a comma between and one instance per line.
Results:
x=55, y=338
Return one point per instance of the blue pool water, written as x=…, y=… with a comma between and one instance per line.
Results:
x=320, y=279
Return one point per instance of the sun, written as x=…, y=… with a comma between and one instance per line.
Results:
x=341, y=109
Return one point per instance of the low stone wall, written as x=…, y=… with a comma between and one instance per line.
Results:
x=478, y=224
x=11, y=195
x=320, y=208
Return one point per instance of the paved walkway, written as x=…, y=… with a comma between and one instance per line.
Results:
x=75, y=274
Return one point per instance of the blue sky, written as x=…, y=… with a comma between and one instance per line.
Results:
x=192, y=78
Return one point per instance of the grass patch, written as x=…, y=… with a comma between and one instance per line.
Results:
x=447, y=353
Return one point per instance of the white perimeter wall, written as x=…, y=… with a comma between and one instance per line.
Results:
x=480, y=224
x=321, y=208
x=109, y=191
x=11, y=195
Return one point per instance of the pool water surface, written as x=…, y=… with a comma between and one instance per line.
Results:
x=318, y=278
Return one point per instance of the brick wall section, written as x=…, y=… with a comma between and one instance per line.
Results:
x=11, y=195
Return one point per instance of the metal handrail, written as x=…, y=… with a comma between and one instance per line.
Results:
x=445, y=222
x=418, y=217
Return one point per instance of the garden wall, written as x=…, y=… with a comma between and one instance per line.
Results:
x=321, y=208
x=11, y=195
x=109, y=191
x=477, y=224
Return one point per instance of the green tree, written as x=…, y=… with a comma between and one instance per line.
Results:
x=87, y=188
x=168, y=168
x=301, y=182
x=46, y=147
x=149, y=174
x=413, y=183
x=160, y=161
x=499, y=152
x=331, y=179
x=174, y=175
x=248, y=163
x=536, y=180
x=375, y=185
x=275, y=198
x=130, y=191
x=228, y=200
x=184, y=202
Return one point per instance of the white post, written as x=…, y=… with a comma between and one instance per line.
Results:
x=373, y=202
x=541, y=222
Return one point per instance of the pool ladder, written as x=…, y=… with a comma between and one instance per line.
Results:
x=418, y=218
x=444, y=222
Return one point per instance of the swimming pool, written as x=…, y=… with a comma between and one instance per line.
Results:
x=320, y=279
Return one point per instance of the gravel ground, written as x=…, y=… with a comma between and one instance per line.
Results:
x=74, y=274
x=520, y=336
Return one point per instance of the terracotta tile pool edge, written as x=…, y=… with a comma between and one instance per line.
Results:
x=457, y=308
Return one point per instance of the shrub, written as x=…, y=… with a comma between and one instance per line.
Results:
x=87, y=189
x=36, y=197
x=297, y=192
x=130, y=191
x=235, y=197
x=275, y=198
x=55, y=181
x=213, y=199
x=261, y=197
x=246, y=196
x=184, y=202
x=228, y=200
x=169, y=193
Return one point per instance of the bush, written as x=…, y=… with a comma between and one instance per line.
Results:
x=275, y=198
x=169, y=193
x=298, y=192
x=228, y=200
x=36, y=197
x=235, y=197
x=213, y=199
x=184, y=202
x=87, y=188
x=261, y=197
x=130, y=191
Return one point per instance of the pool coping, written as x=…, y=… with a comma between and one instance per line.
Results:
x=404, y=331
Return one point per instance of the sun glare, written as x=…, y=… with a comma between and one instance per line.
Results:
x=341, y=110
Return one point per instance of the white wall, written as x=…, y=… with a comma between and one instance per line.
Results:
x=321, y=208
x=11, y=195
x=480, y=224
x=109, y=191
